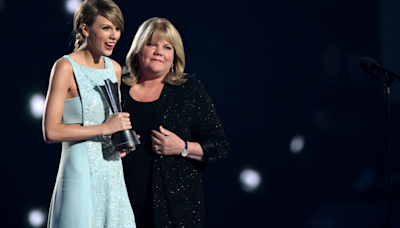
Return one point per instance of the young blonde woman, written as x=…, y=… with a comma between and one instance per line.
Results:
x=90, y=189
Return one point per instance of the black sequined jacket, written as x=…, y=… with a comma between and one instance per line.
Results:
x=188, y=111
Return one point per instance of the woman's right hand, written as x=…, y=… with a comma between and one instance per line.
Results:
x=117, y=122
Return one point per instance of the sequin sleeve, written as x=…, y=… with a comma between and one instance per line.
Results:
x=208, y=129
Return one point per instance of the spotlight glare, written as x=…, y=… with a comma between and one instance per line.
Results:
x=250, y=180
x=37, y=105
x=36, y=218
x=72, y=5
x=297, y=144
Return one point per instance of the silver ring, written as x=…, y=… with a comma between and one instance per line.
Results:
x=156, y=147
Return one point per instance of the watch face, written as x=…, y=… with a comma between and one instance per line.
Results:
x=184, y=153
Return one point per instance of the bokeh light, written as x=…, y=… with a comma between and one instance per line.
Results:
x=37, y=105
x=72, y=5
x=36, y=217
x=250, y=180
x=297, y=144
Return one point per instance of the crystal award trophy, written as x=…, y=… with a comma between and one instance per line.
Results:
x=122, y=141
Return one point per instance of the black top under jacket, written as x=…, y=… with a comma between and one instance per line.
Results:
x=186, y=110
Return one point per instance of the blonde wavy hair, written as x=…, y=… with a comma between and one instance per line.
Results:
x=87, y=13
x=156, y=29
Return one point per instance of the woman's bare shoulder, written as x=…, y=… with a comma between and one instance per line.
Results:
x=62, y=69
x=63, y=63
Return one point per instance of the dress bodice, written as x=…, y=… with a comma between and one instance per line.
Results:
x=94, y=109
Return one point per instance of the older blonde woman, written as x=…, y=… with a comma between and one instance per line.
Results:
x=180, y=130
x=90, y=189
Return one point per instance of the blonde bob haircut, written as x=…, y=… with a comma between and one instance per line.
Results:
x=87, y=13
x=153, y=30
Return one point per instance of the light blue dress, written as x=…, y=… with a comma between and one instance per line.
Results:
x=90, y=189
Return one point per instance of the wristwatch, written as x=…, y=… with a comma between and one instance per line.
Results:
x=185, y=152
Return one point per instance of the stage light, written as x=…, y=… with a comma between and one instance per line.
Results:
x=37, y=105
x=37, y=217
x=297, y=144
x=72, y=5
x=2, y=5
x=250, y=180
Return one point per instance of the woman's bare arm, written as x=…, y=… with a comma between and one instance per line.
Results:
x=61, y=87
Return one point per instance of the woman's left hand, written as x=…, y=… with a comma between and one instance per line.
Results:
x=166, y=142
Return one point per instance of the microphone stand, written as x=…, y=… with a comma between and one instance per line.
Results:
x=388, y=81
x=371, y=66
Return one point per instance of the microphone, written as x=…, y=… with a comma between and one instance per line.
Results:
x=371, y=66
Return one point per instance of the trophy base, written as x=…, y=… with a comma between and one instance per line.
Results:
x=125, y=141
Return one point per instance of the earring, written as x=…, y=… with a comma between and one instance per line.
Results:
x=172, y=67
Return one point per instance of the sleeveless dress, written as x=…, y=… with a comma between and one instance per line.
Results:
x=90, y=189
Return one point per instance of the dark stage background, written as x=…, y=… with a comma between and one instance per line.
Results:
x=277, y=71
